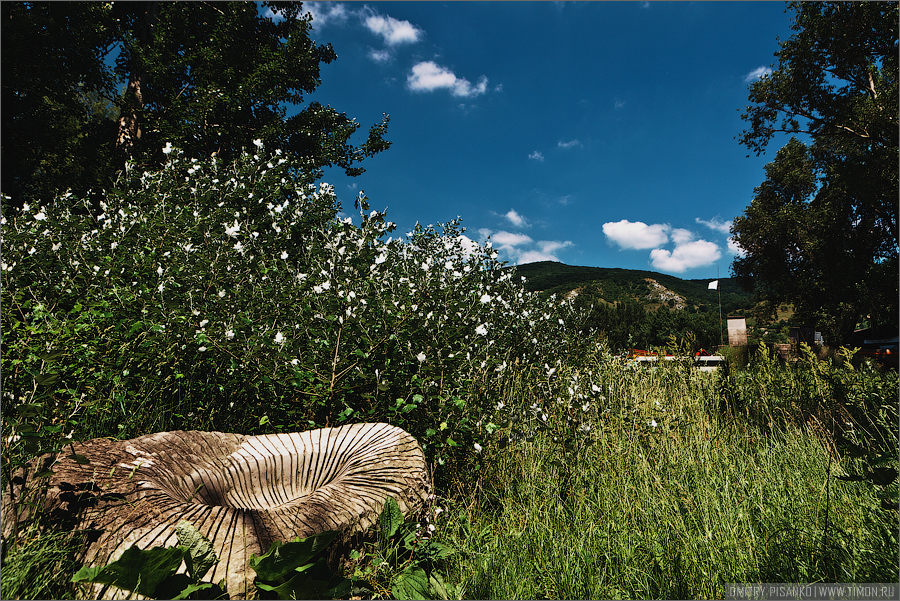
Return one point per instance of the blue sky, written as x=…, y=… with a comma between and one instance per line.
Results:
x=596, y=133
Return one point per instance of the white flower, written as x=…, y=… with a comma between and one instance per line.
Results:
x=221, y=294
x=295, y=361
x=500, y=405
x=202, y=349
x=585, y=428
x=481, y=330
x=279, y=338
x=233, y=230
x=653, y=423
x=40, y=216
x=585, y=407
x=56, y=246
x=238, y=246
x=478, y=448
x=421, y=357
x=159, y=270
x=284, y=255
x=258, y=143
x=485, y=299
x=229, y=334
x=203, y=323
x=167, y=148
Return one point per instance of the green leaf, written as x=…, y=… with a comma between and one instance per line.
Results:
x=439, y=588
x=199, y=555
x=411, y=583
x=284, y=558
x=315, y=581
x=137, y=570
x=391, y=518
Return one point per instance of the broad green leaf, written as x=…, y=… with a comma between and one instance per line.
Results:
x=284, y=558
x=391, y=518
x=200, y=556
x=411, y=583
x=138, y=570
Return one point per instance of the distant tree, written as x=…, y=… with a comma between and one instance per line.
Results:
x=208, y=77
x=822, y=230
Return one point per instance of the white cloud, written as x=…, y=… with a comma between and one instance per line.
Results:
x=534, y=256
x=516, y=219
x=686, y=255
x=551, y=246
x=568, y=144
x=636, y=235
x=682, y=236
x=324, y=13
x=520, y=249
x=757, y=73
x=715, y=224
x=393, y=30
x=428, y=76
x=508, y=240
x=537, y=156
x=735, y=248
x=380, y=56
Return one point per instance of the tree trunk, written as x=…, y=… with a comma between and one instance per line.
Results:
x=130, y=116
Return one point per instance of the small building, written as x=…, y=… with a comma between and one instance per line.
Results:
x=805, y=334
x=737, y=331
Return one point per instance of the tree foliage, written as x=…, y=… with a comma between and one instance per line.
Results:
x=208, y=77
x=822, y=230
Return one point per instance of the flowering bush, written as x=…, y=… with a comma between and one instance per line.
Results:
x=234, y=297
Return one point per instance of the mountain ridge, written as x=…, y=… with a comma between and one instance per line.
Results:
x=614, y=285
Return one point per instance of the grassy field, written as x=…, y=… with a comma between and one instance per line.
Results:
x=673, y=484
x=704, y=498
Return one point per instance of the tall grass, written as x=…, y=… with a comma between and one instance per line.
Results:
x=671, y=511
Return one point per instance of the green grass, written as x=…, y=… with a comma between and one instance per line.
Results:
x=735, y=483
x=39, y=566
x=671, y=512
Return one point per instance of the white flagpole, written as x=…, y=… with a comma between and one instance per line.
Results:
x=719, y=290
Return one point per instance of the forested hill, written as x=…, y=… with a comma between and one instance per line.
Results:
x=645, y=287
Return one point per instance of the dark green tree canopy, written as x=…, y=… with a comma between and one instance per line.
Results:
x=822, y=230
x=209, y=77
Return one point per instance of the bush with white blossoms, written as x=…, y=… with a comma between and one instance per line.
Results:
x=234, y=297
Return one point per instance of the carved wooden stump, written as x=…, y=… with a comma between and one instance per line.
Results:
x=241, y=492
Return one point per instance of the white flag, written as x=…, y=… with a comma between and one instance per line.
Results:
x=713, y=285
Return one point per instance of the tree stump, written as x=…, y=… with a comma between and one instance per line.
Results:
x=241, y=492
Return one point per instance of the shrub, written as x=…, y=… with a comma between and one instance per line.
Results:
x=238, y=297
